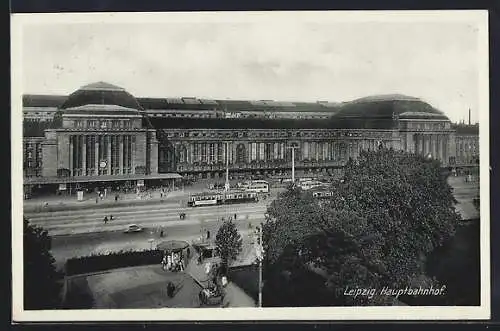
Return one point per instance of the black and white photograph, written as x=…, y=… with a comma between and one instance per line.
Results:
x=258, y=165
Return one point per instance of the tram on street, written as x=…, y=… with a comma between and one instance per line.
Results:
x=204, y=199
x=212, y=199
x=257, y=186
x=240, y=197
x=322, y=194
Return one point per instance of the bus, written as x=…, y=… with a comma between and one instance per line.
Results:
x=204, y=199
x=307, y=179
x=258, y=186
x=307, y=185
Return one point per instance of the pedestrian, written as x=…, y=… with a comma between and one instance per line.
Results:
x=208, y=234
x=164, y=262
x=116, y=197
x=161, y=233
x=235, y=216
x=110, y=217
x=105, y=219
x=170, y=289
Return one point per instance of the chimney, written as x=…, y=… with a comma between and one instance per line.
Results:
x=469, y=116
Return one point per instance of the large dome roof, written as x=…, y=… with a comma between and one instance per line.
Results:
x=101, y=93
x=387, y=106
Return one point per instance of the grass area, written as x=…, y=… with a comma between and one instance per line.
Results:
x=79, y=295
x=457, y=265
x=246, y=278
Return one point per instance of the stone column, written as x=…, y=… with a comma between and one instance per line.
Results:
x=232, y=151
x=224, y=152
x=120, y=155
x=132, y=156
x=84, y=155
x=190, y=153
x=445, y=149
x=96, y=153
x=109, y=153
x=428, y=144
x=434, y=147
x=438, y=147
x=71, y=142
x=216, y=152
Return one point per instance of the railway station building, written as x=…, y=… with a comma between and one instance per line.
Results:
x=102, y=135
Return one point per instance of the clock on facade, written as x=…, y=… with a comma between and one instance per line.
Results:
x=103, y=164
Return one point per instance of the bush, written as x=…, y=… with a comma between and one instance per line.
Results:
x=115, y=260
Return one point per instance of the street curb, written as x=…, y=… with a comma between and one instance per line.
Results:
x=58, y=207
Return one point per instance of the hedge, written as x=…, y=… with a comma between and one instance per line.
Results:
x=115, y=260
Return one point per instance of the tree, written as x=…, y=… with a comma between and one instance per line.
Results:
x=390, y=211
x=41, y=279
x=229, y=242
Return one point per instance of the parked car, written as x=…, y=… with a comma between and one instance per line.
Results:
x=133, y=228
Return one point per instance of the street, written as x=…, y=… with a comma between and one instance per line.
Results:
x=149, y=216
x=83, y=232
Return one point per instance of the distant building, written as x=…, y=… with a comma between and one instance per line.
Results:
x=102, y=135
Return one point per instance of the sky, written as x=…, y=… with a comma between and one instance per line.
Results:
x=282, y=60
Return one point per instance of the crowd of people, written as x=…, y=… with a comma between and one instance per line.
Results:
x=173, y=262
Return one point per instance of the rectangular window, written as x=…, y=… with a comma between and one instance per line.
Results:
x=305, y=152
x=116, y=124
x=212, y=152
x=196, y=152
x=203, y=152
x=220, y=152
x=253, y=155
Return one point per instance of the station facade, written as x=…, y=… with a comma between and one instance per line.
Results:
x=101, y=133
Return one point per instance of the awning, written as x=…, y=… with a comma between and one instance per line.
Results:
x=172, y=245
x=105, y=178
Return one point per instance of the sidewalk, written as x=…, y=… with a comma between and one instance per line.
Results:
x=55, y=203
x=235, y=296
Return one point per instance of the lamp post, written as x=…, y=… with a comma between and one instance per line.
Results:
x=293, y=161
x=226, y=186
x=259, y=249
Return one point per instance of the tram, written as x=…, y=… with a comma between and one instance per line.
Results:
x=205, y=199
x=322, y=194
x=212, y=199
x=257, y=186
